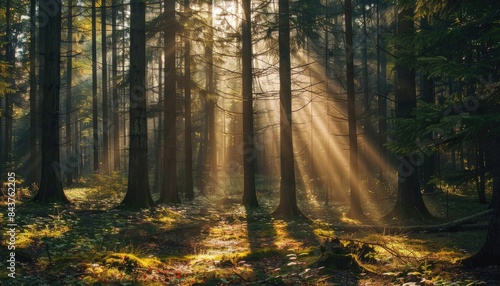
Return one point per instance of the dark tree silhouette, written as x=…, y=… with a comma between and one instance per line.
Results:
x=288, y=199
x=169, y=192
x=355, y=210
x=138, y=192
x=95, y=117
x=188, y=144
x=10, y=56
x=489, y=254
x=69, y=96
x=34, y=159
x=51, y=189
x=249, y=152
x=104, y=90
x=409, y=203
x=211, y=100
x=114, y=86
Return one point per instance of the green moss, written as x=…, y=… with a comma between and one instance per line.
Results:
x=129, y=262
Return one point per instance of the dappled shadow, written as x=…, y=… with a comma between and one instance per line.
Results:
x=302, y=231
x=309, y=252
x=189, y=240
x=160, y=232
x=260, y=229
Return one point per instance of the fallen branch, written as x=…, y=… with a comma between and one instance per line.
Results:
x=451, y=226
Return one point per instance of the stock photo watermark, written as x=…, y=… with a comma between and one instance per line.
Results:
x=11, y=224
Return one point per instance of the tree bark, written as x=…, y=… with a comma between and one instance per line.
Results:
x=138, y=192
x=8, y=111
x=69, y=98
x=105, y=118
x=34, y=154
x=409, y=203
x=288, y=199
x=211, y=139
x=355, y=210
x=382, y=97
x=249, y=152
x=169, y=193
x=480, y=168
x=114, y=88
x=51, y=189
x=158, y=171
x=489, y=254
x=429, y=166
x=495, y=171
x=95, y=118
x=188, y=143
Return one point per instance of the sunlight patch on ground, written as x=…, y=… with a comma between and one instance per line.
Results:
x=53, y=226
x=93, y=198
x=77, y=193
x=403, y=251
x=348, y=220
x=166, y=218
x=322, y=231
x=225, y=238
x=283, y=239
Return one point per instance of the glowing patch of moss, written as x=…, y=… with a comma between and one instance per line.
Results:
x=347, y=220
x=322, y=233
x=77, y=193
x=128, y=260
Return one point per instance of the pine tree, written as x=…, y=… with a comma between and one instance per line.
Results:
x=288, y=199
x=138, y=193
x=249, y=152
x=169, y=192
x=51, y=189
x=355, y=210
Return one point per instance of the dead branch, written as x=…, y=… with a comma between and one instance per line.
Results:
x=451, y=226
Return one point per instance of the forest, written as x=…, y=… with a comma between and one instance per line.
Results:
x=250, y=142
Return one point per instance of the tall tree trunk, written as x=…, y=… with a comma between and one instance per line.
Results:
x=95, y=118
x=429, y=166
x=69, y=106
x=2, y=141
x=495, y=171
x=211, y=100
x=105, y=118
x=481, y=172
x=409, y=204
x=188, y=144
x=367, y=167
x=169, y=193
x=382, y=97
x=288, y=198
x=355, y=210
x=114, y=90
x=489, y=254
x=138, y=192
x=249, y=152
x=8, y=111
x=51, y=189
x=329, y=183
x=158, y=175
x=34, y=155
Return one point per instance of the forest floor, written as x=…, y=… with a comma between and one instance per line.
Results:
x=215, y=241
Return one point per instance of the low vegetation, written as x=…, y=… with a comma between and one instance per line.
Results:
x=216, y=241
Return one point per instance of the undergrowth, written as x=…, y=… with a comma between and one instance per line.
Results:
x=211, y=243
